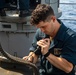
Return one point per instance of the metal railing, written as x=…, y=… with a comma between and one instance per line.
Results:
x=68, y=3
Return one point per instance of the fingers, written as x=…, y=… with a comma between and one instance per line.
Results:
x=25, y=57
x=43, y=42
x=28, y=58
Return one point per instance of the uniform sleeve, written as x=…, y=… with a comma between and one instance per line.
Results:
x=34, y=45
x=36, y=38
x=69, y=50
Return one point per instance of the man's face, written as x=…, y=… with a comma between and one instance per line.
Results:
x=46, y=27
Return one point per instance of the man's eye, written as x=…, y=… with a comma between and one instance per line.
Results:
x=43, y=27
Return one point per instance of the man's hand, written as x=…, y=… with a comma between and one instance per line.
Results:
x=44, y=44
x=31, y=57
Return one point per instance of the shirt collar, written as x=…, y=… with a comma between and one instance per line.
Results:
x=60, y=35
x=61, y=31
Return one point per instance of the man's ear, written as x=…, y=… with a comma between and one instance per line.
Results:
x=53, y=18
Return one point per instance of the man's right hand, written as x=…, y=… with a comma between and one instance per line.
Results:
x=31, y=57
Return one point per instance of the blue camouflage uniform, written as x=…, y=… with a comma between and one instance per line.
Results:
x=63, y=45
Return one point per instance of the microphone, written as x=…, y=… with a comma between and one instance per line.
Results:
x=38, y=48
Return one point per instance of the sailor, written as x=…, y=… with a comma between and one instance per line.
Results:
x=23, y=7
x=58, y=54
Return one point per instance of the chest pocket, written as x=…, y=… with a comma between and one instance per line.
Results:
x=56, y=48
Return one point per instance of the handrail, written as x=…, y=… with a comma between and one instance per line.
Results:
x=68, y=19
x=68, y=3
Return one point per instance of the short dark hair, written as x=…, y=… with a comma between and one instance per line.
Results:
x=41, y=13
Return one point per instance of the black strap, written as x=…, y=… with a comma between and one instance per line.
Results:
x=47, y=54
